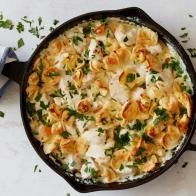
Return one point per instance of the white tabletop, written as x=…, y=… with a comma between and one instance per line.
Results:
x=17, y=157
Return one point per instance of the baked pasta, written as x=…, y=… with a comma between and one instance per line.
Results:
x=108, y=100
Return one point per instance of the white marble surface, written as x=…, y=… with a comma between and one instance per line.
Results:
x=17, y=157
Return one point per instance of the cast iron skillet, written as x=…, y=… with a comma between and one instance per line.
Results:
x=19, y=71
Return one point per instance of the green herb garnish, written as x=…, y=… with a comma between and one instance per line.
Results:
x=192, y=52
x=140, y=161
x=2, y=114
x=184, y=35
x=20, y=43
x=87, y=29
x=140, y=151
x=76, y=39
x=125, y=39
x=121, y=140
x=108, y=152
x=20, y=27
x=130, y=77
x=146, y=138
x=161, y=114
x=175, y=66
x=54, y=73
x=38, y=97
x=55, y=22
x=65, y=134
x=100, y=131
x=138, y=126
x=85, y=69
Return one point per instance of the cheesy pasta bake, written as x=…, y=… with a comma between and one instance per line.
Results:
x=108, y=100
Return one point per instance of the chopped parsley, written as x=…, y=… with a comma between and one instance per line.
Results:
x=100, y=131
x=85, y=69
x=53, y=73
x=20, y=43
x=65, y=166
x=183, y=28
x=174, y=64
x=72, y=89
x=35, y=168
x=65, y=134
x=121, y=167
x=91, y=171
x=39, y=20
x=34, y=31
x=38, y=97
x=6, y=24
x=55, y=22
x=184, y=88
x=155, y=79
x=77, y=115
x=57, y=93
x=30, y=107
x=183, y=110
x=183, y=35
x=68, y=72
x=138, y=126
x=76, y=39
x=121, y=140
x=192, y=52
x=87, y=29
x=125, y=39
x=20, y=27
x=140, y=151
x=108, y=152
x=43, y=105
x=161, y=114
x=2, y=114
x=140, y=161
x=146, y=138
x=191, y=16
x=130, y=77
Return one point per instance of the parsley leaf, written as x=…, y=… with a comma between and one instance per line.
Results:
x=20, y=43
x=20, y=27
x=140, y=151
x=76, y=39
x=130, y=77
x=138, y=126
x=65, y=134
x=125, y=39
x=121, y=140
x=146, y=138
x=162, y=115
x=2, y=114
x=55, y=22
x=140, y=161
x=85, y=69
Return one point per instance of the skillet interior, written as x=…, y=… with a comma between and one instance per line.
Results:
x=140, y=17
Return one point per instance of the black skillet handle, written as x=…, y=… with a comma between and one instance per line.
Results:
x=14, y=71
x=138, y=14
x=191, y=147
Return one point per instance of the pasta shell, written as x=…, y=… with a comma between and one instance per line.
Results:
x=33, y=79
x=149, y=165
x=138, y=54
x=108, y=175
x=68, y=146
x=146, y=37
x=171, y=138
x=119, y=158
x=77, y=78
x=84, y=106
x=111, y=62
